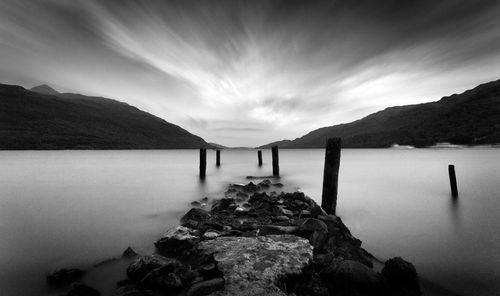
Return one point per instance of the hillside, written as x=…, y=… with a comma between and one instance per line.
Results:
x=472, y=117
x=34, y=120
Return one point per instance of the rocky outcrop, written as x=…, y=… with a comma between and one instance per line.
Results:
x=256, y=241
x=252, y=265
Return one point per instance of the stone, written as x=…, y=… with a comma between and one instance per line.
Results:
x=252, y=265
x=275, y=229
x=79, y=289
x=129, y=253
x=223, y=204
x=354, y=278
x=194, y=217
x=206, y=287
x=143, y=266
x=317, y=211
x=210, y=234
x=305, y=213
x=177, y=241
x=65, y=276
x=401, y=276
x=311, y=224
x=286, y=212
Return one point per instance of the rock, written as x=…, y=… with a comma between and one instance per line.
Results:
x=286, y=212
x=194, y=217
x=275, y=229
x=65, y=276
x=104, y=262
x=305, y=213
x=278, y=185
x=206, y=287
x=129, y=253
x=204, y=200
x=354, y=278
x=143, y=266
x=401, y=276
x=311, y=224
x=78, y=289
x=224, y=204
x=317, y=211
x=196, y=204
x=210, y=234
x=178, y=241
x=252, y=265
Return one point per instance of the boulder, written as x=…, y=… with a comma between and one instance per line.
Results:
x=194, y=217
x=129, y=253
x=79, y=289
x=252, y=265
x=401, y=276
x=311, y=224
x=178, y=241
x=143, y=266
x=206, y=287
x=354, y=278
x=65, y=276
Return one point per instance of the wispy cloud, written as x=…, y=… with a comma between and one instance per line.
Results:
x=250, y=72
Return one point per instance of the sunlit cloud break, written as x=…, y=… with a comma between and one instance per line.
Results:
x=244, y=73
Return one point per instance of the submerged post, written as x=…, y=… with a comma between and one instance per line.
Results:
x=453, y=180
x=259, y=155
x=203, y=162
x=331, y=175
x=276, y=162
x=217, y=157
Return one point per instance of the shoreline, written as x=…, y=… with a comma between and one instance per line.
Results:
x=232, y=206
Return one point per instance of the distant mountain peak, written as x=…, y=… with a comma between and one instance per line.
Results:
x=44, y=89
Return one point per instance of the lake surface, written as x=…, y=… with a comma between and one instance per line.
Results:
x=77, y=208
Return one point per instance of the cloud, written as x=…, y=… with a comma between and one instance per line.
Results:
x=252, y=71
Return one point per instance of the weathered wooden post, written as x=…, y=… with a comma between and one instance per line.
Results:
x=217, y=157
x=331, y=175
x=203, y=162
x=276, y=162
x=453, y=180
x=259, y=155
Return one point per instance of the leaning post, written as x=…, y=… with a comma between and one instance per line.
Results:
x=203, y=162
x=276, y=162
x=331, y=175
x=453, y=181
x=259, y=155
x=217, y=157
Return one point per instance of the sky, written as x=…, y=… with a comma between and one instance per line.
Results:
x=246, y=73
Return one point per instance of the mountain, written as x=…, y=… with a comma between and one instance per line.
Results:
x=44, y=89
x=32, y=120
x=472, y=117
x=282, y=143
x=217, y=146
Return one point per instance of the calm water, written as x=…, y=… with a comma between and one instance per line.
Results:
x=76, y=208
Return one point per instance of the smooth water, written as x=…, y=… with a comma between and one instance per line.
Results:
x=77, y=208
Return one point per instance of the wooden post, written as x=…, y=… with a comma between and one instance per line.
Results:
x=203, y=162
x=453, y=180
x=259, y=155
x=276, y=162
x=217, y=157
x=331, y=175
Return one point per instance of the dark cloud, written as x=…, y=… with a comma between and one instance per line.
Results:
x=238, y=67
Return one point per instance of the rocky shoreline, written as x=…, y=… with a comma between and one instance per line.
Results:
x=257, y=240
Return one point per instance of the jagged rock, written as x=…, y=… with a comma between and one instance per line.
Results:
x=354, y=278
x=251, y=266
x=65, y=276
x=286, y=212
x=401, y=276
x=311, y=224
x=224, y=204
x=129, y=252
x=138, y=269
x=178, y=241
x=79, y=289
x=194, y=217
x=206, y=287
x=316, y=211
x=275, y=229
